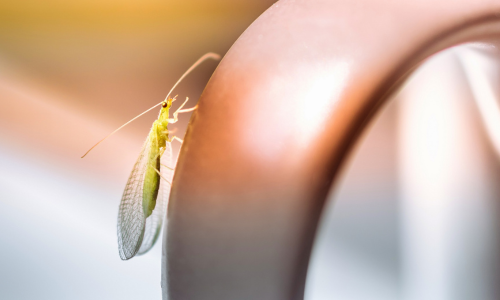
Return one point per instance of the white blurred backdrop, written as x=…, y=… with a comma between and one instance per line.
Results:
x=416, y=213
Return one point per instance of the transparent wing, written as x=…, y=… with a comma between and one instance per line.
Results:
x=155, y=220
x=131, y=219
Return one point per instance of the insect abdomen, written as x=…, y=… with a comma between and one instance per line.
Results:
x=151, y=176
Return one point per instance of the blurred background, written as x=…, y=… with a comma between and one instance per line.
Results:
x=414, y=216
x=70, y=73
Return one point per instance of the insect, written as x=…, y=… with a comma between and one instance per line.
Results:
x=145, y=198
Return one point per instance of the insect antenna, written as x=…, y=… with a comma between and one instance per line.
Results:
x=211, y=55
x=119, y=129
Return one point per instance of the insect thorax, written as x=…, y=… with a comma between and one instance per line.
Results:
x=161, y=125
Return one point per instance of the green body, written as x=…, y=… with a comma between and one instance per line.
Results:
x=158, y=137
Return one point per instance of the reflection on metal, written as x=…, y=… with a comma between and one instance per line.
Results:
x=481, y=65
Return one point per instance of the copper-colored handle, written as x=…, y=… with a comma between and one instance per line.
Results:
x=275, y=123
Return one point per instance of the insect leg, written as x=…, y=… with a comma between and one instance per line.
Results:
x=161, y=176
x=186, y=110
x=180, y=110
x=176, y=138
x=162, y=150
x=167, y=167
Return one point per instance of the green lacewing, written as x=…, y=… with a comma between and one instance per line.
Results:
x=145, y=198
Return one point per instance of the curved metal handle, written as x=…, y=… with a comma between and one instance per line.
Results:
x=275, y=123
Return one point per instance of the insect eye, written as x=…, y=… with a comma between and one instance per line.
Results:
x=164, y=104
